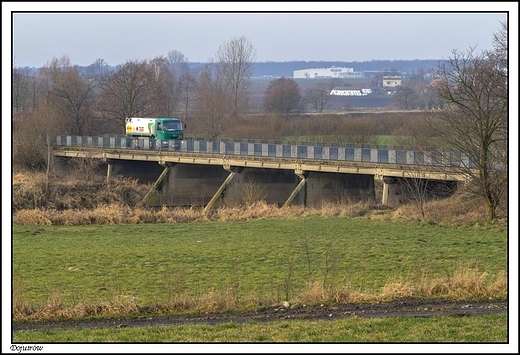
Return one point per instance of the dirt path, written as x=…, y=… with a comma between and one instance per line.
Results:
x=399, y=308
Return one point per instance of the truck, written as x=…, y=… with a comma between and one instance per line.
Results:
x=161, y=130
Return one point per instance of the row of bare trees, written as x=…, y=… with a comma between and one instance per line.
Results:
x=60, y=99
x=164, y=86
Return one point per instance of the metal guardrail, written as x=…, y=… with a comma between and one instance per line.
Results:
x=281, y=150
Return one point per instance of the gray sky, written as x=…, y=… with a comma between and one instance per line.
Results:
x=333, y=36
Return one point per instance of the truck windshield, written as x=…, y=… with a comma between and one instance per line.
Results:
x=172, y=126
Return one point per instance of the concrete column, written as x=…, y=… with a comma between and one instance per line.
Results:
x=159, y=180
x=389, y=192
x=221, y=188
x=303, y=180
x=109, y=171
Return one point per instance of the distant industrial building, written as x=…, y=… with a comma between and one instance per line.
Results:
x=327, y=73
x=392, y=81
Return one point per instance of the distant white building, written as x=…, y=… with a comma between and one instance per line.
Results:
x=392, y=81
x=324, y=73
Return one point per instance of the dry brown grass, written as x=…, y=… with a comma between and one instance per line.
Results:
x=34, y=190
x=464, y=283
x=122, y=214
x=256, y=210
x=41, y=201
x=121, y=305
x=21, y=307
x=453, y=211
x=344, y=209
x=456, y=210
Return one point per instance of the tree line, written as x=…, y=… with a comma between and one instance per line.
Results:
x=215, y=95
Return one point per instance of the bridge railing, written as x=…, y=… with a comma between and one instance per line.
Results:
x=380, y=155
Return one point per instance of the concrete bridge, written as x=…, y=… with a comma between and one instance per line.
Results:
x=204, y=172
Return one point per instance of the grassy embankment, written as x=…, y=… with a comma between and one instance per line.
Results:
x=77, y=271
x=134, y=269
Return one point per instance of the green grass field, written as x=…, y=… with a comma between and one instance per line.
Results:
x=265, y=259
x=486, y=329
x=268, y=260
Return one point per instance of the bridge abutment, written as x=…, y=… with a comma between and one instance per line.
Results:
x=390, y=188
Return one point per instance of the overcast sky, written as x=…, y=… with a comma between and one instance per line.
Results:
x=334, y=36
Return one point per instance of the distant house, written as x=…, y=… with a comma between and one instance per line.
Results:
x=392, y=81
x=435, y=82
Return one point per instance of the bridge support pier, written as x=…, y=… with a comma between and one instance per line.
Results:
x=232, y=173
x=165, y=172
x=389, y=191
x=109, y=169
x=303, y=177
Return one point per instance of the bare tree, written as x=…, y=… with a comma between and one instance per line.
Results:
x=416, y=191
x=405, y=98
x=70, y=93
x=35, y=134
x=74, y=95
x=474, y=120
x=214, y=104
x=98, y=69
x=500, y=45
x=235, y=62
x=86, y=168
x=128, y=92
x=283, y=97
x=187, y=92
x=317, y=96
x=168, y=90
x=21, y=90
x=252, y=192
x=165, y=91
x=177, y=62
